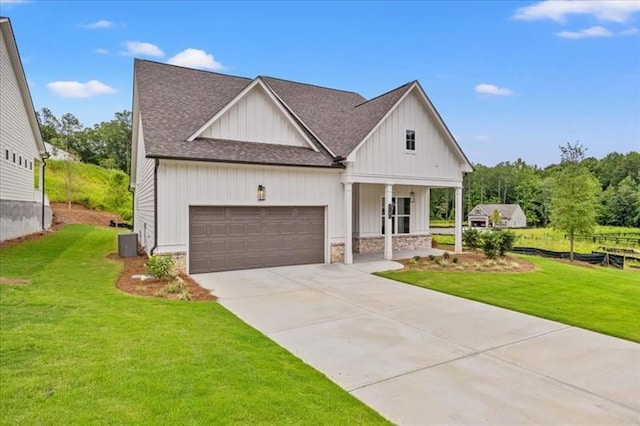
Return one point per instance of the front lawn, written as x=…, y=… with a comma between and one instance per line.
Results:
x=601, y=299
x=75, y=350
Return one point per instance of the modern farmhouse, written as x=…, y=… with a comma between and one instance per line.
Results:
x=237, y=173
x=511, y=216
x=24, y=209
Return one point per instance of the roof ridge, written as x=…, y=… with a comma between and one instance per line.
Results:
x=385, y=93
x=192, y=69
x=309, y=84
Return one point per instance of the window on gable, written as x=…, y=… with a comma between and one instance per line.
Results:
x=6, y=154
x=410, y=140
x=14, y=157
x=20, y=161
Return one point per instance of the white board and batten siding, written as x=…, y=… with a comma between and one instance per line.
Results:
x=186, y=184
x=255, y=118
x=384, y=152
x=16, y=138
x=368, y=209
x=143, y=220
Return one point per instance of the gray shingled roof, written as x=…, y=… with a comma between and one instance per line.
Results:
x=175, y=102
x=506, y=210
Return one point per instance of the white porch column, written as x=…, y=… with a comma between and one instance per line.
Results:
x=427, y=206
x=458, y=231
x=388, y=227
x=348, y=233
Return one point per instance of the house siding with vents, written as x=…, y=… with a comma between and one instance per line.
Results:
x=21, y=148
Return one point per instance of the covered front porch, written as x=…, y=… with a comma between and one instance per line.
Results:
x=372, y=208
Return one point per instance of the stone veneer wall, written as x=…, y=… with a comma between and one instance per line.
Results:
x=337, y=252
x=400, y=242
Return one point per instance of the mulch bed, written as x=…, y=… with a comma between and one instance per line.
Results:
x=153, y=287
x=469, y=262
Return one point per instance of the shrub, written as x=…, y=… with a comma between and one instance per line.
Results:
x=446, y=255
x=160, y=266
x=471, y=238
x=490, y=245
x=176, y=286
x=505, y=241
x=432, y=257
x=416, y=258
x=455, y=260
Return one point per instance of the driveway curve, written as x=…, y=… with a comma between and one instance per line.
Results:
x=422, y=357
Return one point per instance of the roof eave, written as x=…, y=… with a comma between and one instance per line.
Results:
x=16, y=62
x=259, y=163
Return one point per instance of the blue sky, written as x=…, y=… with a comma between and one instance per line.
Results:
x=511, y=79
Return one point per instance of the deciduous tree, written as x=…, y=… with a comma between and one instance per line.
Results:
x=574, y=193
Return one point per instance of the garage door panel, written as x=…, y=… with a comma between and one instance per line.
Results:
x=228, y=238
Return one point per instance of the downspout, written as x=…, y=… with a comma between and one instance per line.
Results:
x=155, y=207
x=44, y=165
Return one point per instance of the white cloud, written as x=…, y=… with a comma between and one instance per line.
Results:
x=558, y=10
x=140, y=48
x=196, y=58
x=490, y=89
x=100, y=51
x=11, y=2
x=596, y=31
x=98, y=25
x=482, y=138
x=75, y=89
x=630, y=31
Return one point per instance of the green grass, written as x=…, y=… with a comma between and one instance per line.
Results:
x=75, y=350
x=549, y=239
x=91, y=186
x=606, y=300
x=442, y=223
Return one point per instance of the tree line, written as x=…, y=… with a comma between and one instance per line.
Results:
x=616, y=192
x=106, y=144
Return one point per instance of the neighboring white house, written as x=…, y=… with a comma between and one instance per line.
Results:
x=24, y=209
x=238, y=173
x=56, y=153
x=511, y=216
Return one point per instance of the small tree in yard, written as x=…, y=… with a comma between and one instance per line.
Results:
x=574, y=195
x=495, y=218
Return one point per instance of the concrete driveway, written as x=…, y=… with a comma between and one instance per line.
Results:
x=422, y=357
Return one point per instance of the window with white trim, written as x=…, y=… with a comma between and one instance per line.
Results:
x=410, y=140
x=401, y=218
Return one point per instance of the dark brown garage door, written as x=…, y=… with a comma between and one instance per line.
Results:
x=228, y=238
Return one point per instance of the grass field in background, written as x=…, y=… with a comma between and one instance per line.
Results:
x=92, y=186
x=75, y=350
x=549, y=239
x=601, y=299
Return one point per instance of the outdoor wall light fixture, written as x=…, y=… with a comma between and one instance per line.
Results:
x=262, y=193
x=412, y=196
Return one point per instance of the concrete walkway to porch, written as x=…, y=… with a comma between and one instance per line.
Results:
x=422, y=357
x=397, y=255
